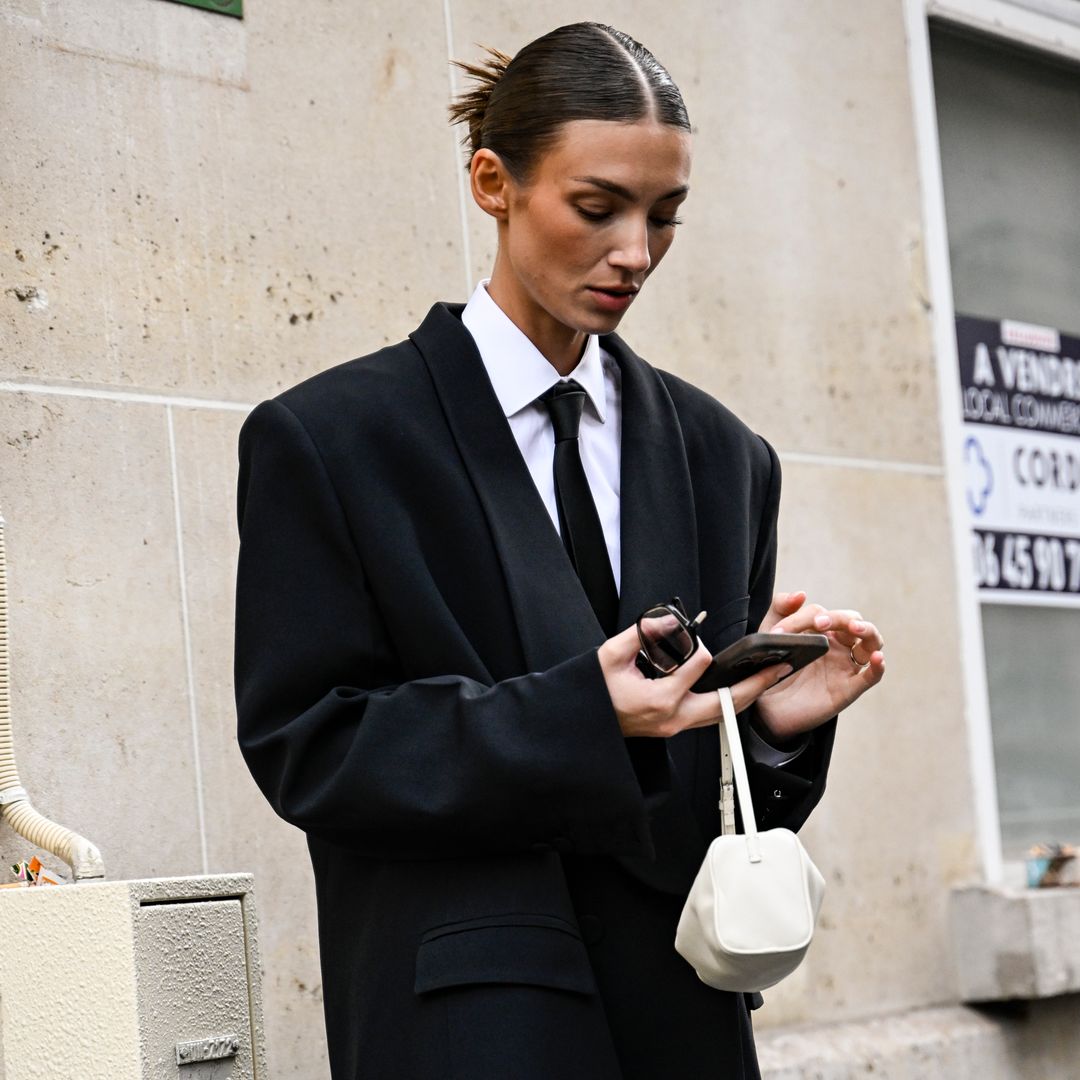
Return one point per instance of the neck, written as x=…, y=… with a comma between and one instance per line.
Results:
x=560, y=345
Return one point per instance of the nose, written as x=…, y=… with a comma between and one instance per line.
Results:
x=632, y=250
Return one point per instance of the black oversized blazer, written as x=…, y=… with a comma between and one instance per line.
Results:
x=498, y=871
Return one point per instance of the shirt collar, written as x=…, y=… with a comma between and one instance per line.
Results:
x=518, y=371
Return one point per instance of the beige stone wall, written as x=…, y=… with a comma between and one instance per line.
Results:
x=195, y=212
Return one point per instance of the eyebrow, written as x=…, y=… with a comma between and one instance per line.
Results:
x=624, y=193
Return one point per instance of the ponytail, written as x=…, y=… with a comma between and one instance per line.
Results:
x=471, y=105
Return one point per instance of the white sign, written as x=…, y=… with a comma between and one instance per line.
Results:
x=1020, y=394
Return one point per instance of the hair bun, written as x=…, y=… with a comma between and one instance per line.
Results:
x=471, y=105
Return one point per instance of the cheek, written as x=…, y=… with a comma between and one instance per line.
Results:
x=565, y=249
x=570, y=237
x=658, y=247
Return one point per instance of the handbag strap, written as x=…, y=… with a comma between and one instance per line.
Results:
x=727, y=785
x=731, y=758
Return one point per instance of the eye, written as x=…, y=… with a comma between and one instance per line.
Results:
x=593, y=215
x=666, y=223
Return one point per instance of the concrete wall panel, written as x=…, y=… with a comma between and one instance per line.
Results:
x=221, y=221
x=241, y=830
x=98, y=690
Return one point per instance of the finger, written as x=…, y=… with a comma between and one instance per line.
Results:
x=852, y=622
x=842, y=637
x=867, y=637
x=625, y=644
x=870, y=637
x=684, y=676
x=619, y=653
x=874, y=671
x=782, y=604
x=745, y=692
x=812, y=617
x=702, y=710
x=785, y=603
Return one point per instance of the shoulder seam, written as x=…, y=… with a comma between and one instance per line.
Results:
x=326, y=472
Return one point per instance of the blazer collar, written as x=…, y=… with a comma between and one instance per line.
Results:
x=518, y=371
x=658, y=533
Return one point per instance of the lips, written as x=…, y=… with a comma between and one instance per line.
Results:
x=617, y=298
x=616, y=290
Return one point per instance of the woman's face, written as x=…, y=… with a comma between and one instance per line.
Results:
x=593, y=220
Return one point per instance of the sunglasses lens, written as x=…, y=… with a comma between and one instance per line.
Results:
x=664, y=640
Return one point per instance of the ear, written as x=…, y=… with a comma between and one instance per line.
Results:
x=490, y=183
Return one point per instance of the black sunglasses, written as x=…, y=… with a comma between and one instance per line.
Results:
x=668, y=638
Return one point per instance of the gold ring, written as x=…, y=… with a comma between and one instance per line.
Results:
x=851, y=653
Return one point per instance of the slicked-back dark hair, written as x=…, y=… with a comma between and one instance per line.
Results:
x=584, y=71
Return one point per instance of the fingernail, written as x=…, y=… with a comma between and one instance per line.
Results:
x=785, y=671
x=857, y=626
x=822, y=620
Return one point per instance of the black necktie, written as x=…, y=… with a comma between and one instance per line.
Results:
x=582, y=533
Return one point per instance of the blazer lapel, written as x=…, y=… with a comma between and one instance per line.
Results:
x=660, y=560
x=551, y=610
x=659, y=526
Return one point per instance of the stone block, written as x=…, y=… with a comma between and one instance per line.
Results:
x=1015, y=943
x=945, y=1043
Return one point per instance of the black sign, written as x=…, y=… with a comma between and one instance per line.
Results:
x=1018, y=385
x=1026, y=562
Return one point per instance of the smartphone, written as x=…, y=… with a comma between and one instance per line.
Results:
x=750, y=654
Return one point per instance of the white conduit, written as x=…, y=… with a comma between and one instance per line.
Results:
x=83, y=858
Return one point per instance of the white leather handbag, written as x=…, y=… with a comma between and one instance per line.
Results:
x=750, y=915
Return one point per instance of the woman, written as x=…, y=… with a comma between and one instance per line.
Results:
x=436, y=652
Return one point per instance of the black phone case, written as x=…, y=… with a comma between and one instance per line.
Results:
x=754, y=652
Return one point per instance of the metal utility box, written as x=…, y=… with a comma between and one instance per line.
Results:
x=131, y=980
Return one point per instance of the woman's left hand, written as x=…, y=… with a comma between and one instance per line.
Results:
x=820, y=690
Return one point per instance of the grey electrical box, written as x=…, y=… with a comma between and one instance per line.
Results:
x=131, y=980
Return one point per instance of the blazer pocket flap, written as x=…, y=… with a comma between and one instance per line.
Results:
x=537, y=950
x=728, y=616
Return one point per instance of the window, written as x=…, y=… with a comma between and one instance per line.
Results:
x=1009, y=127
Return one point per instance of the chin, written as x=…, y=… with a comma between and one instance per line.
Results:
x=599, y=322
x=607, y=324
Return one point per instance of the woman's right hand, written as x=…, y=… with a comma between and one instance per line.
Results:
x=664, y=707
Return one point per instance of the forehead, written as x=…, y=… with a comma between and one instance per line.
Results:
x=645, y=157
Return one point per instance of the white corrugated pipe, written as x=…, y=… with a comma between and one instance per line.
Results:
x=83, y=858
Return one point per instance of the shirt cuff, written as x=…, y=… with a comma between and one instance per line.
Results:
x=765, y=754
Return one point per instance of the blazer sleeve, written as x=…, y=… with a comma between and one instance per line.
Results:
x=434, y=767
x=783, y=796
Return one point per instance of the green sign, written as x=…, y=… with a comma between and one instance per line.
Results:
x=223, y=7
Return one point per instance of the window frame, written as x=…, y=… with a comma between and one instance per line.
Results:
x=1046, y=30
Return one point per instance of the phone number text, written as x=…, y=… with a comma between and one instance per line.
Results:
x=1026, y=562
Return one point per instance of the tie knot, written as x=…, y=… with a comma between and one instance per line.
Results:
x=564, y=402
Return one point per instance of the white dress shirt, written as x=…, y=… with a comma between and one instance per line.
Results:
x=520, y=373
